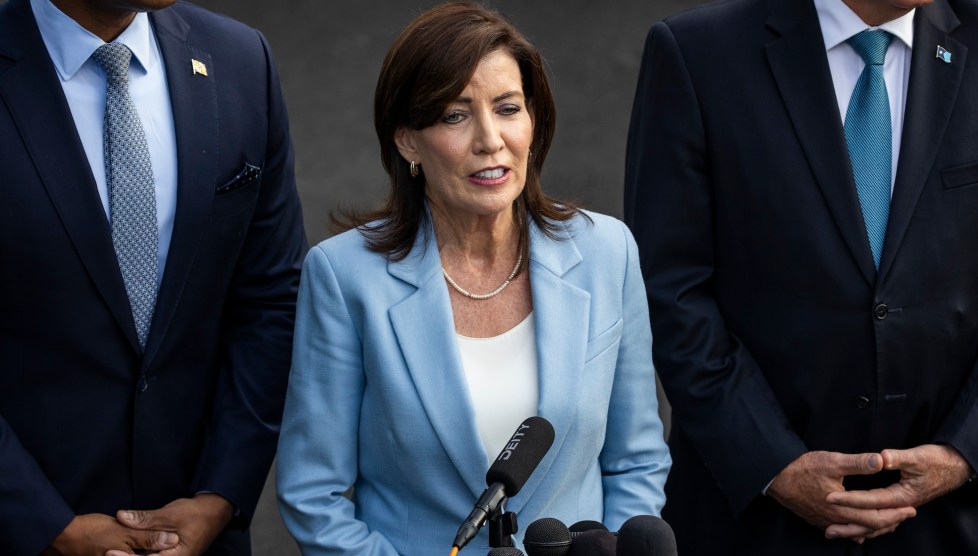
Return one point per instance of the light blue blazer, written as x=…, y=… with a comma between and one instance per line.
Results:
x=378, y=400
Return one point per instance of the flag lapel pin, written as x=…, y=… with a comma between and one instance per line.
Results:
x=201, y=69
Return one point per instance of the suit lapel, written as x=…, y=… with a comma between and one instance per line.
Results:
x=32, y=92
x=195, y=113
x=425, y=330
x=800, y=67
x=931, y=96
x=562, y=316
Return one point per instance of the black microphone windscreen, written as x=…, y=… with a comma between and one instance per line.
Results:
x=594, y=543
x=646, y=535
x=588, y=525
x=547, y=537
x=506, y=551
x=522, y=454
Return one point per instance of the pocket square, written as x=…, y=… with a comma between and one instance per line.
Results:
x=244, y=176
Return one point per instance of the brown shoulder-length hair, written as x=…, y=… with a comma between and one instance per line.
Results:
x=428, y=67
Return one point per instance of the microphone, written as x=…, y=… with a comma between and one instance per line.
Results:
x=646, y=535
x=506, y=551
x=594, y=542
x=584, y=526
x=508, y=473
x=547, y=537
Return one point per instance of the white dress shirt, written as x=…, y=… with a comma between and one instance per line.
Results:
x=70, y=46
x=839, y=23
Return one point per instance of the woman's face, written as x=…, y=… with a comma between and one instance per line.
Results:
x=474, y=158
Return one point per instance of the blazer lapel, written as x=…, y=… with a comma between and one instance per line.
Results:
x=425, y=330
x=195, y=114
x=800, y=67
x=563, y=312
x=32, y=92
x=931, y=96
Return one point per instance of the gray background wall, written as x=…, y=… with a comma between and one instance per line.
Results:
x=329, y=54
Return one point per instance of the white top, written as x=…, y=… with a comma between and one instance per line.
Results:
x=503, y=384
x=839, y=23
x=70, y=46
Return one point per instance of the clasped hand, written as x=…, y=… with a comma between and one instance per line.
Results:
x=811, y=487
x=184, y=527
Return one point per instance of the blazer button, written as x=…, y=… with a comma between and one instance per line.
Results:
x=880, y=311
x=862, y=402
x=143, y=384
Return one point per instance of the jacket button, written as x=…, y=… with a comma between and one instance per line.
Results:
x=880, y=311
x=862, y=402
x=143, y=384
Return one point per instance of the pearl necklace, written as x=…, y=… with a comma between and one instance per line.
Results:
x=481, y=296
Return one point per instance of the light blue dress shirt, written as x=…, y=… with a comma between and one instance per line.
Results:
x=70, y=46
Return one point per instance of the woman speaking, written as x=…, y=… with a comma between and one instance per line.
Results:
x=432, y=327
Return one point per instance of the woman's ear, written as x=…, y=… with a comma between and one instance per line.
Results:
x=404, y=139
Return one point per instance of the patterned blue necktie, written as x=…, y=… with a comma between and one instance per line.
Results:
x=869, y=137
x=132, y=192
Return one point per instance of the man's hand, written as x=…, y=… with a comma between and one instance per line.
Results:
x=926, y=472
x=197, y=521
x=96, y=534
x=804, y=487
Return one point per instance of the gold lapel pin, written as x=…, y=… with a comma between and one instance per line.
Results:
x=199, y=67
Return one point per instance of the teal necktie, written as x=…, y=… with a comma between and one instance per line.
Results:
x=132, y=191
x=869, y=137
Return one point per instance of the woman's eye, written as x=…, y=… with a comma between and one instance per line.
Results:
x=453, y=117
x=509, y=109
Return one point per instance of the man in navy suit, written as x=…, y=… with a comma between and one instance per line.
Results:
x=802, y=181
x=150, y=239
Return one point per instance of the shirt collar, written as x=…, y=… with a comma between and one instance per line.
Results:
x=71, y=45
x=839, y=23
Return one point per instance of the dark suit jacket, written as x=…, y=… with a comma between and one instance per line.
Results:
x=87, y=422
x=773, y=333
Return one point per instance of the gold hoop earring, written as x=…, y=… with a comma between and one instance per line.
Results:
x=415, y=169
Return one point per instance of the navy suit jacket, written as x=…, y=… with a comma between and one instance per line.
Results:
x=774, y=333
x=87, y=422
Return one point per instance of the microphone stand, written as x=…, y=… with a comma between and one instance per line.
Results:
x=502, y=526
